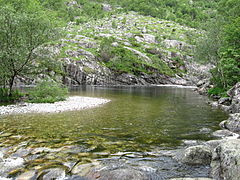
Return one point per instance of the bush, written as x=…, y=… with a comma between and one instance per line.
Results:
x=48, y=92
x=216, y=91
x=4, y=95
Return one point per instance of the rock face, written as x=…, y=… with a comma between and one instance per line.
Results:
x=226, y=161
x=232, y=123
x=197, y=155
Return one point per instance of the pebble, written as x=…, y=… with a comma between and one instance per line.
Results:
x=73, y=103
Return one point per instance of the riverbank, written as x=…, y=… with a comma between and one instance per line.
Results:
x=73, y=103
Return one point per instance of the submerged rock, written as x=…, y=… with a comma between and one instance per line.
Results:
x=226, y=160
x=54, y=173
x=197, y=155
x=84, y=169
x=10, y=164
x=29, y=175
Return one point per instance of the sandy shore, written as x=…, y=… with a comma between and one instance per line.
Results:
x=71, y=104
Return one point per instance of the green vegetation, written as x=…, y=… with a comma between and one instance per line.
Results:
x=48, y=92
x=189, y=12
x=4, y=95
x=123, y=60
x=27, y=25
x=21, y=33
x=221, y=46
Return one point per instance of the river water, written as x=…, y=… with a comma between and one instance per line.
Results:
x=138, y=119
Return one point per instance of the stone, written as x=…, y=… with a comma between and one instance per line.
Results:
x=106, y=7
x=10, y=164
x=76, y=177
x=29, y=175
x=197, y=155
x=212, y=144
x=235, y=90
x=5, y=135
x=149, y=38
x=224, y=133
x=234, y=93
x=54, y=173
x=197, y=178
x=225, y=101
x=123, y=174
x=226, y=160
x=84, y=169
x=232, y=123
x=176, y=44
x=235, y=106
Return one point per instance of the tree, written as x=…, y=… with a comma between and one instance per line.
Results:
x=20, y=35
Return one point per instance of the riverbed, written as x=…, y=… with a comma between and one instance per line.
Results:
x=142, y=125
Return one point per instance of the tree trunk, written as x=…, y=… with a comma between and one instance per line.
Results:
x=11, y=85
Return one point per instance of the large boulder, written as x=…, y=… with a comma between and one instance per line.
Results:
x=226, y=160
x=232, y=123
x=197, y=155
x=234, y=93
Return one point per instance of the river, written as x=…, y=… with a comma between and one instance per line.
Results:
x=137, y=120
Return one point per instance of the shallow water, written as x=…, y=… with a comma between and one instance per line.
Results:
x=136, y=119
x=140, y=128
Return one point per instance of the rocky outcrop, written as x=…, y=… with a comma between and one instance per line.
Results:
x=226, y=161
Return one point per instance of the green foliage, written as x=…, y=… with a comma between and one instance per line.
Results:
x=216, y=91
x=48, y=92
x=191, y=13
x=16, y=95
x=20, y=34
x=123, y=60
x=221, y=47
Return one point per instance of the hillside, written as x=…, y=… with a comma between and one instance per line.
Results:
x=108, y=42
x=127, y=48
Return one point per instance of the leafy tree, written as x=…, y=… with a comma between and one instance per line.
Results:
x=21, y=34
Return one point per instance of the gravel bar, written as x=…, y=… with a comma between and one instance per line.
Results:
x=73, y=103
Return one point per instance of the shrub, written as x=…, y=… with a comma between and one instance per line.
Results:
x=48, y=92
x=4, y=95
x=217, y=92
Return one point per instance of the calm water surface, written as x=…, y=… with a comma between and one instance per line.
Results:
x=136, y=119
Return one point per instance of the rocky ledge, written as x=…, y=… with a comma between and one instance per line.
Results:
x=70, y=104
